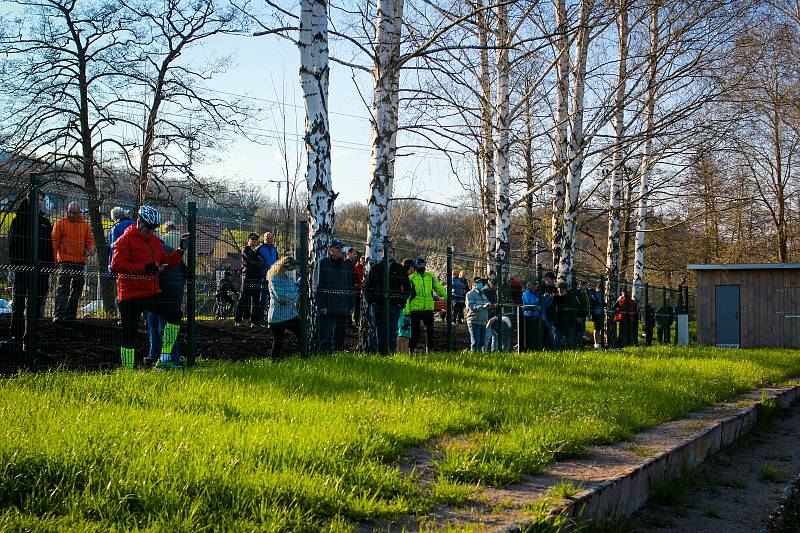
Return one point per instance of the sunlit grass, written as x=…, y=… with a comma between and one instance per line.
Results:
x=317, y=443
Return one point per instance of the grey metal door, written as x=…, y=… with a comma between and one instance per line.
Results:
x=726, y=315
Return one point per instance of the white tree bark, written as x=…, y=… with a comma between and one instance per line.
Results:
x=314, y=74
x=502, y=174
x=487, y=140
x=646, y=162
x=576, y=143
x=617, y=159
x=560, y=156
x=385, y=103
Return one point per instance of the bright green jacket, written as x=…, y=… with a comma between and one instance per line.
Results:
x=423, y=292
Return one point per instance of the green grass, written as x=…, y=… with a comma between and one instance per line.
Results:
x=316, y=444
x=772, y=474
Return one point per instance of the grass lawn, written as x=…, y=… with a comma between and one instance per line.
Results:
x=316, y=444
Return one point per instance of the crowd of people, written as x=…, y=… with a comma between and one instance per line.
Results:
x=150, y=275
x=146, y=267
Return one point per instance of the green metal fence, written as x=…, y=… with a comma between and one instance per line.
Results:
x=89, y=334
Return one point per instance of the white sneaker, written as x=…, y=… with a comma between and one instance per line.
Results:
x=596, y=346
x=237, y=324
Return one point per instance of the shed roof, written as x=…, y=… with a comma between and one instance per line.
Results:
x=746, y=266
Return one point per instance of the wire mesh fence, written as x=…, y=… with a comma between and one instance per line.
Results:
x=215, y=283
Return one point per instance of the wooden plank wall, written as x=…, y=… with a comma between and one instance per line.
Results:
x=766, y=298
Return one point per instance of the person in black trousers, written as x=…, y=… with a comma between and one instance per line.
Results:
x=18, y=235
x=332, y=288
x=399, y=291
x=250, y=299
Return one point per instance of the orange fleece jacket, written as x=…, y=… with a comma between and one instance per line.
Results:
x=72, y=241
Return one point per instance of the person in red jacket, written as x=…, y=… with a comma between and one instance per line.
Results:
x=137, y=260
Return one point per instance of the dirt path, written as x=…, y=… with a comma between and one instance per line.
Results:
x=734, y=491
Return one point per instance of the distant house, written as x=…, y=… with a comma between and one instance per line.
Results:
x=748, y=305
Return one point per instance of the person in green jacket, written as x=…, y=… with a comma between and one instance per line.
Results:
x=420, y=306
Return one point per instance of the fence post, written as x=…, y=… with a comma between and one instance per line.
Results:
x=498, y=310
x=601, y=288
x=303, y=262
x=449, y=299
x=191, y=285
x=686, y=299
x=32, y=310
x=387, y=326
x=540, y=344
x=680, y=310
x=648, y=327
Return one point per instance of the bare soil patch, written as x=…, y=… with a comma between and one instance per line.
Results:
x=93, y=344
x=734, y=491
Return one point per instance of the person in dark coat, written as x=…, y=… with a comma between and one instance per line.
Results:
x=249, y=305
x=460, y=288
x=626, y=314
x=568, y=307
x=171, y=282
x=399, y=291
x=664, y=319
x=23, y=277
x=548, y=295
x=332, y=288
x=649, y=323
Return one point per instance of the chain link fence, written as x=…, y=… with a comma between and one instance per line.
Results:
x=244, y=282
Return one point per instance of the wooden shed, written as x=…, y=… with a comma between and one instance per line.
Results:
x=748, y=305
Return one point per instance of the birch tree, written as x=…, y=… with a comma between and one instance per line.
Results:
x=314, y=75
x=385, y=109
x=616, y=173
x=646, y=163
x=502, y=174
x=576, y=140
x=486, y=146
x=560, y=141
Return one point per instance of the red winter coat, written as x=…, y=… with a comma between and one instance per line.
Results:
x=132, y=252
x=359, y=266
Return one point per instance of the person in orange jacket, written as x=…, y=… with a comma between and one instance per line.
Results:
x=72, y=244
x=138, y=259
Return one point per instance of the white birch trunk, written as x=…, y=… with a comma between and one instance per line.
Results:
x=314, y=73
x=561, y=131
x=487, y=140
x=646, y=163
x=502, y=174
x=615, y=192
x=576, y=147
x=385, y=101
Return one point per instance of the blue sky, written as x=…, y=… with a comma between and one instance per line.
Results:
x=266, y=68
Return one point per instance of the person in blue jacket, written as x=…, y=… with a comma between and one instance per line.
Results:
x=121, y=222
x=531, y=318
x=269, y=253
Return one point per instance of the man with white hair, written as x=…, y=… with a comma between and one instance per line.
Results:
x=72, y=243
x=171, y=236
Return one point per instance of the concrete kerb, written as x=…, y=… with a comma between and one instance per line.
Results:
x=625, y=494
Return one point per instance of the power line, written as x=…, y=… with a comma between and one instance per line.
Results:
x=284, y=104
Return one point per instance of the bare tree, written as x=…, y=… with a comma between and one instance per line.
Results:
x=168, y=91
x=768, y=141
x=62, y=56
